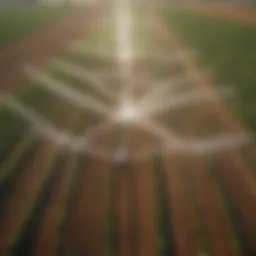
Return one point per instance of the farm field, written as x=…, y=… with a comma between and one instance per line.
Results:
x=225, y=49
x=238, y=13
x=19, y=21
x=40, y=45
x=77, y=178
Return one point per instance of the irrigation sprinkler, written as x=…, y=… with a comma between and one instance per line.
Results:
x=125, y=108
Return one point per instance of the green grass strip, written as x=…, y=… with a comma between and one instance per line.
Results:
x=226, y=48
x=111, y=227
x=18, y=21
x=73, y=188
x=165, y=239
x=19, y=237
x=18, y=154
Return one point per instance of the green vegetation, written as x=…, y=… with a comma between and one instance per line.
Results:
x=36, y=209
x=42, y=101
x=18, y=21
x=16, y=157
x=111, y=232
x=13, y=127
x=71, y=199
x=165, y=240
x=228, y=49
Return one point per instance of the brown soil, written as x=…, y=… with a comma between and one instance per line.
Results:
x=137, y=201
x=232, y=168
x=39, y=47
x=146, y=201
x=181, y=216
x=243, y=15
x=86, y=235
x=47, y=238
x=25, y=189
x=126, y=209
x=23, y=192
x=134, y=199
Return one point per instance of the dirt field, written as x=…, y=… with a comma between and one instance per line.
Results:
x=64, y=208
x=39, y=47
x=240, y=14
x=237, y=178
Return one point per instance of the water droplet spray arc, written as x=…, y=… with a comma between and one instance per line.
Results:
x=125, y=58
x=129, y=110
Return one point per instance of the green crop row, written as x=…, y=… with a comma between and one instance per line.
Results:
x=225, y=48
x=22, y=241
x=72, y=189
x=39, y=98
x=15, y=133
x=166, y=240
x=12, y=126
x=18, y=21
x=229, y=50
